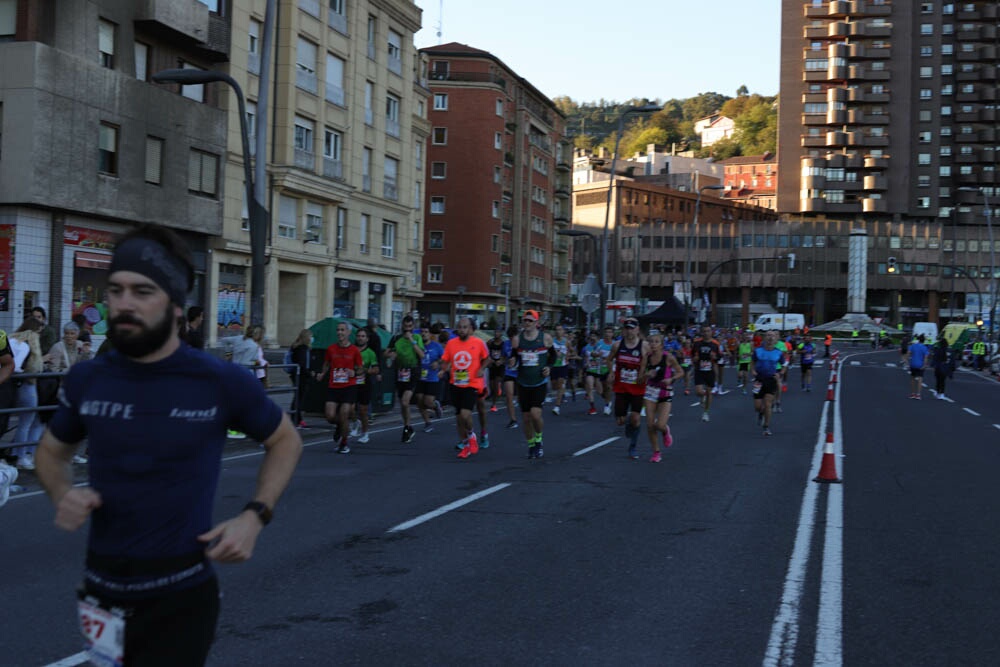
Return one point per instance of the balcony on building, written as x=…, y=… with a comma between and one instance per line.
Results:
x=816, y=182
x=508, y=220
x=305, y=159
x=871, y=140
x=873, y=205
x=836, y=139
x=870, y=8
x=305, y=80
x=562, y=190
x=540, y=141
x=967, y=138
x=812, y=12
x=972, y=178
x=836, y=116
x=838, y=8
x=838, y=30
x=877, y=98
x=968, y=158
x=337, y=21
x=815, y=32
x=853, y=161
x=812, y=205
x=392, y=127
x=333, y=168
x=875, y=182
x=856, y=94
x=876, y=163
x=389, y=190
x=186, y=23
x=836, y=73
x=562, y=245
x=813, y=141
x=561, y=219
x=834, y=95
x=334, y=94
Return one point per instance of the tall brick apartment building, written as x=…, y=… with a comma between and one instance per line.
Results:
x=888, y=123
x=498, y=188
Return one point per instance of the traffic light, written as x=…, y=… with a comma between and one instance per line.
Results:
x=892, y=265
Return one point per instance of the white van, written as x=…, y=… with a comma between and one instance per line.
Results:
x=786, y=322
x=928, y=329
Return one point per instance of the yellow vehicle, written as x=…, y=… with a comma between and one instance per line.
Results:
x=958, y=334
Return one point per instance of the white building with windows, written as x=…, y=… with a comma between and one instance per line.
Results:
x=346, y=131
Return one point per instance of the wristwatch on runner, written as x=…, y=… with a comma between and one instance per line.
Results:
x=262, y=511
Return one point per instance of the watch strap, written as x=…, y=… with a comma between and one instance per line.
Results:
x=263, y=512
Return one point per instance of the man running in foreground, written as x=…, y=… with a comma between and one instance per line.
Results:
x=764, y=368
x=154, y=412
x=464, y=358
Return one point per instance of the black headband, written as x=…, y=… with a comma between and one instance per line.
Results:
x=152, y=260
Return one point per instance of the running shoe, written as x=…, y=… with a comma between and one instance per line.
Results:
x=941, y=397
x=592, y=411
x=343, y=449
x=777, y=408
x=473, y=444
x=493, y=409
x=235, y=435
x=356, y=428
x=632, y=454
x=26, y=462
x=485, y=437
x=539, y=452
x=687, y=392
x=364, y=438
x=668, y=438
x=607, y=409
x=428, y=427
x=8, y=475
x=82, y=458
x=704, y=416
x=531, y=450
x=408, y=434
x=512, y=423
x=767, y=430
x=655, y=458
x=466, y=451
x=760, y=419
x=555, y=410
x=302, y=424
x=438, y=412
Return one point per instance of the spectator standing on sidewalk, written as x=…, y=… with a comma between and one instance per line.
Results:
x=47, y=335
x=299, y=354
x=28, y=359
x=944, y=365
x=155, y=414
x=68, y=352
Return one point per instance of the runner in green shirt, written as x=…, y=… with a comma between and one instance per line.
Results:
x=744, y=355
x=369, y=362
x=406, y=351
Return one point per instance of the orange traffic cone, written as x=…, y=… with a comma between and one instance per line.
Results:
x=829, y=392
x=828, y=467
x=833, y=377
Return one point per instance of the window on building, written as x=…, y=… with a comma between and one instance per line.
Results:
x=366, y=170
x=304, y=135
x=439, y=170
x=418, y=155
x=390, y=178
x=141, y=61
x=497, y=174
x=196, y=93
x=305, y=65
x=335, y=80
x=287, y=217
x=494, y=243
x=926, y=51
x=203, y=170
x=333, y=142
x=435, y=240
x=253, y=47
x=439, y=136
x=926, y=28
x=369, y=112
x=497, y=140
x=313, y=223
x=372, y=32
x=154, y=160
x=500, y=107
x=252, y=125
x=435, y=273
x=926, y=72
x=337, y=18
x=923, y=158
x=108, y=149
x=106, y=42
x=440, y=101
x=363, y=226
x=495, y=209
x=395, y=50
x=392, y=115
x=388, y=239
x=437, y=205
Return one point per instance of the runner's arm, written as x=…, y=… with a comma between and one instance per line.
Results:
x=53, y=466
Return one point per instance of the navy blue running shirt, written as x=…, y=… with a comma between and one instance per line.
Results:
x=155, y=434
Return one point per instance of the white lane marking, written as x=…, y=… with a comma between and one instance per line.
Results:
x=829, y=621
x=72, y=661
x=785, y=629
x=447, y=508
x=593, y=447
x=997, y=426
x=235, y=457
x=972, y=412
x=947, y=399
x=855, y=363
x=694, y=405
x=891, y=365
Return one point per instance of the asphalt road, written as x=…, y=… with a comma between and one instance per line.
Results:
x=723, y=554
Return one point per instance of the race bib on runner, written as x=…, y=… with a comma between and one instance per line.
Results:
x=461, y=378
x=340, y=376
x=807, y=358
x=404, y=375
x=529, y=358
x=757, y=387
x=104, y=634
x=423, y=373
x=652, y=393
x=704, y=365
x=360, y=380
x=593, y=364
x=630, y=375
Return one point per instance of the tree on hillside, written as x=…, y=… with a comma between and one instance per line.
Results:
x=702, y=104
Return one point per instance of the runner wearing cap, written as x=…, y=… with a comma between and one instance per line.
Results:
x=706, y=364
x=560, y=368
x=533, y=352
x=629, y=356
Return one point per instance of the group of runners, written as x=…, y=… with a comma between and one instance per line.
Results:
x=636, y=376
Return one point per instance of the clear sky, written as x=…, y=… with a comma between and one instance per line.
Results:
x=591, y=49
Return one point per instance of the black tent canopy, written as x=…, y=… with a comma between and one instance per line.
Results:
x=670, y=311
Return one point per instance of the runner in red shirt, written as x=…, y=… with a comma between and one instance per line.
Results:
x=464, y=359
x=629, y=356
x=341, y=366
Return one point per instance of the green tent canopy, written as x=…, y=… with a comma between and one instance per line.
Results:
x=325, y=332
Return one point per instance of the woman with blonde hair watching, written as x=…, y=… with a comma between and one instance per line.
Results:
x=27, y=359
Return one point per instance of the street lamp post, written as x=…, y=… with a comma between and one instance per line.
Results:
x=993, y=261
x=256, y=211
x=687, y=264
x=648, y=108
x=506, y=300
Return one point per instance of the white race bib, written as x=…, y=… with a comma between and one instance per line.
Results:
x=652, y=393
x=404, y=375
x=104, y=634
x=630, y=375
x=340, y=376
x=529, y=358
x=704, y=365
